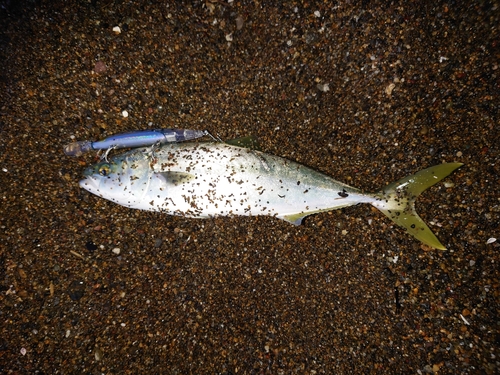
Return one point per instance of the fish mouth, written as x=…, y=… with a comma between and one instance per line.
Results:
x=90, y=183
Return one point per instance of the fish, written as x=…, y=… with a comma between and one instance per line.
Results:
x=210, y=179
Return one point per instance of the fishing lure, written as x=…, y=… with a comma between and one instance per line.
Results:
x=136, y=138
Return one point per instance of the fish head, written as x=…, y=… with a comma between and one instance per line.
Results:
x=123, y=179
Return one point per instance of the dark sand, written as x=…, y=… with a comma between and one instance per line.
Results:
x=409, y=85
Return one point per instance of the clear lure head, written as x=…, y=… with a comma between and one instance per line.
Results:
x=77, y=148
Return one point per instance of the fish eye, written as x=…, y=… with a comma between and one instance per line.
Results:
x=104, y=170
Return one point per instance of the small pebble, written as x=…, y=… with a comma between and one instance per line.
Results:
x=125, y=114
x=388, y=89
x=91, y=246
x=117, y=30
x=116, y=250
x=324, y=87
x=239, y=22
x=76, y=290
x=100, y=67
x=97, y=354
x=435, y=368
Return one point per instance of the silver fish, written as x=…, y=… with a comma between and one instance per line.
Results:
x=202, y=180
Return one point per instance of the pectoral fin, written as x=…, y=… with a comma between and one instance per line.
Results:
x=176, y=178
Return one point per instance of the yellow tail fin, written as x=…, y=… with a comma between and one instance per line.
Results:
x=397, y=201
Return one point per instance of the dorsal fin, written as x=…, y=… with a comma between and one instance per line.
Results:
x=251, y=142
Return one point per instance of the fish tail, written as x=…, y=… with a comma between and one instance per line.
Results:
x=397, y=201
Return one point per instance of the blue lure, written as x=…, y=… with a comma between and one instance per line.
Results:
x=134, y=139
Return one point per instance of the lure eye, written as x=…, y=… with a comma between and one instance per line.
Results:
x=104, y=170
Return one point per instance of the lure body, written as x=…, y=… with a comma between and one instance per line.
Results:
x=134, y=139
x=203, y=180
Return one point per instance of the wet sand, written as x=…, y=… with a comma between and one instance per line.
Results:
x=364, y=92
